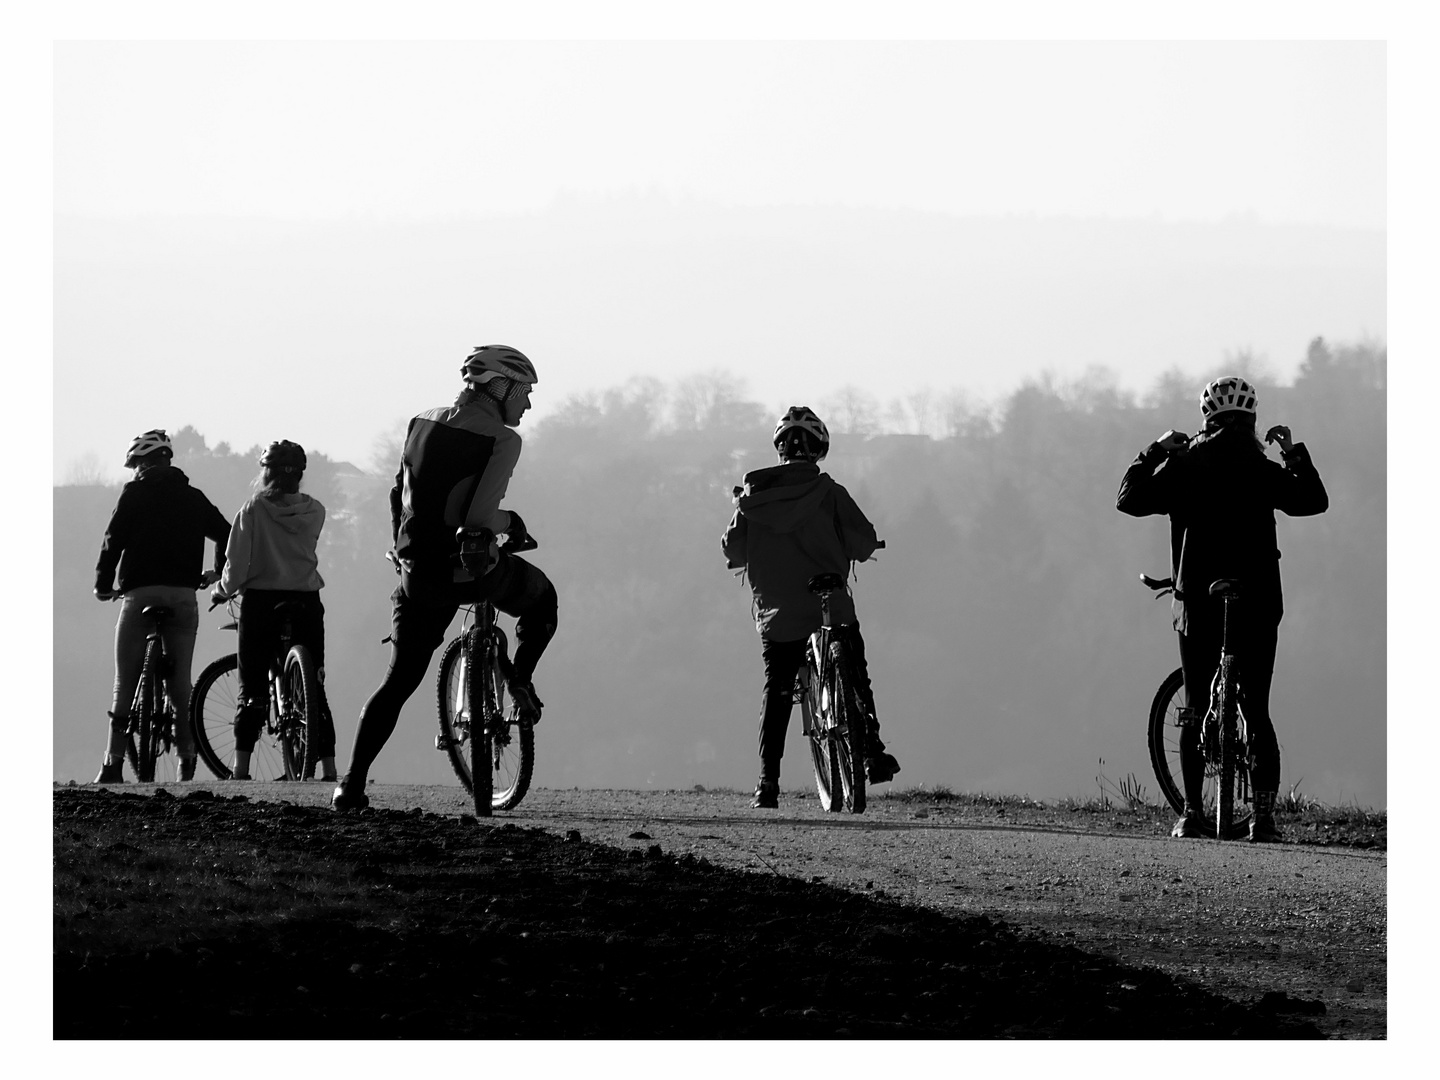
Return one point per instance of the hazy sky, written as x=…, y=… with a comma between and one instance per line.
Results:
x=216, y=202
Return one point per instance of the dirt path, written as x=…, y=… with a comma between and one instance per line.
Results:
x=1305, y=920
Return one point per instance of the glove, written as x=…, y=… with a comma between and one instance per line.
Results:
x=104, y=595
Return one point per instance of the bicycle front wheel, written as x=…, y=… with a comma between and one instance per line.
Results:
x=480, y=702
x=301, y=714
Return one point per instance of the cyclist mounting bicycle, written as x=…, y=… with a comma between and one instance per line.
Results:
x=454, y=471
x=156, y=539
x=271, y=560
x=1221, y=493
x=792, y=522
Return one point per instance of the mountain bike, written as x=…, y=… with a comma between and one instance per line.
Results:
x=285, y=750
x=1224, y=739
x=151, y=734
x=491, y=749
x=830, y=713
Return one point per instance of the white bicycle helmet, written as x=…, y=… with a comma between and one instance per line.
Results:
x=487, y=362
x=811, y=437
x=1228, y=394
x=146, y=444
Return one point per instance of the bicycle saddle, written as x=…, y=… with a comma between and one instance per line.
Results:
x=821, y=583
x=156, y=612
x=1225, y=587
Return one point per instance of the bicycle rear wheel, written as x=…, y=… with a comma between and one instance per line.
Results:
x=850, y=745
x=1164, y=742
x=143, y=744
x=1226, y=758
x=512, y=747
x=301, y=714
x=824, y=761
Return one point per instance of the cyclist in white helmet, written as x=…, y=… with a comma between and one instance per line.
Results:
x=1221, y=493
x=454, y=471
x=792, y=522
x=156, y=542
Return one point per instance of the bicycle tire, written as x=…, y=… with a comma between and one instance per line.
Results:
x=850, y=749
x=1163, y=737
x=298, y=724
x=479, y=700
x=824, y=762
x=512, y=751
x=212, y=713
x=1225, y=766
x=141, y=746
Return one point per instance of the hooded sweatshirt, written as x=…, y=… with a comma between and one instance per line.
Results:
x=791, y=523
x=272, y=545
x=157, y=533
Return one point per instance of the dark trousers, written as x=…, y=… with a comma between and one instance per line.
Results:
x=1253, y=640
x=782, y=663
x=421, y=613
x=259, y=633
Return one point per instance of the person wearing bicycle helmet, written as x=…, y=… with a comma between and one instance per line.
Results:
x=1221, y=492
x=271, y=560
x=454, y=471
x=155, y=542
x=792, y=522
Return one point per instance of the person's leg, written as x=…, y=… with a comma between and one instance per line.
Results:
x=254, y=647
x=880, y=765
x=130, y=631
x=179, y=637
x=782, y=660
x=1255, y=669
x=1199, y=657
x=417, y=627
x=522, y=590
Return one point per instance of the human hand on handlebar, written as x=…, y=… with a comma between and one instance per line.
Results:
x=105, y=595
x=394, y=559
x=218, y=596
x=1280, y=434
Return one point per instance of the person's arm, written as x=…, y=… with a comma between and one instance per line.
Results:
x=1144, y=489
x=484, y=511
x=397, y=493
x=236, y=571
x=856, y=533
x=1299, y=491
x=733, y=542
x=111, y=547
x=217, y=529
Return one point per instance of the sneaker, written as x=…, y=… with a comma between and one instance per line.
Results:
x=1187, y=827
x=880, y=768
x=187, y=769
x=527, y=703
x=1262, y=825
x=767, y=795
x=348, y=798
x=111, y=774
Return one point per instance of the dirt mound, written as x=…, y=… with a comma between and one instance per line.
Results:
x=287, y=921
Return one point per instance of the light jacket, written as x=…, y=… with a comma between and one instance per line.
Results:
x=272, y=545
x=791, y=523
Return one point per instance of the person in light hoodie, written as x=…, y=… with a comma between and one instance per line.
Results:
x=270, y=558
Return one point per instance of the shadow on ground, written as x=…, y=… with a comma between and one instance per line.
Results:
x=279, y=921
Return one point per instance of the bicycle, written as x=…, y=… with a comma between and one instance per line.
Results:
x=1224, y=739
x=285, y=750
x=830, y=714
x=493, y=758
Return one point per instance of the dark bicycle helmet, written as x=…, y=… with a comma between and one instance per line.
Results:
x=284, y=456
x=801, y=434
x=487, y=362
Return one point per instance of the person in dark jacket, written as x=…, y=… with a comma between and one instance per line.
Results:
x=156, y=540
x=1221, y=493
x=270, y=560
x=792, y=522
x=454, y=470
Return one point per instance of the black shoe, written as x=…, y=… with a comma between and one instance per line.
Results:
x=348, y=798
x=187, y=769
x=767, y=795
x=880, y=768
x=1262, y=824
x=527, y=703
x=111, y=774
x=1188, y=827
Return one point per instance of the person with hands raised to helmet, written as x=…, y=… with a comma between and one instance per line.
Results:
x=1221, y=491
x=454, y=471
x=155, y=542
x=792, y=522
x=270, y=560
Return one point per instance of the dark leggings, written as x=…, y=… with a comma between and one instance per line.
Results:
x=782, y=663
x=259, y=634
x=420, y=616
x=1254, y=641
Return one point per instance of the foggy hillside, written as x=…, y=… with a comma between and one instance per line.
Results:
x=1011, y=646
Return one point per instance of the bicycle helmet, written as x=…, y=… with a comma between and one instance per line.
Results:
x=800, y=433
x=143, y=446
x=284, y=456
x=1228, y=394
x=487, y=362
